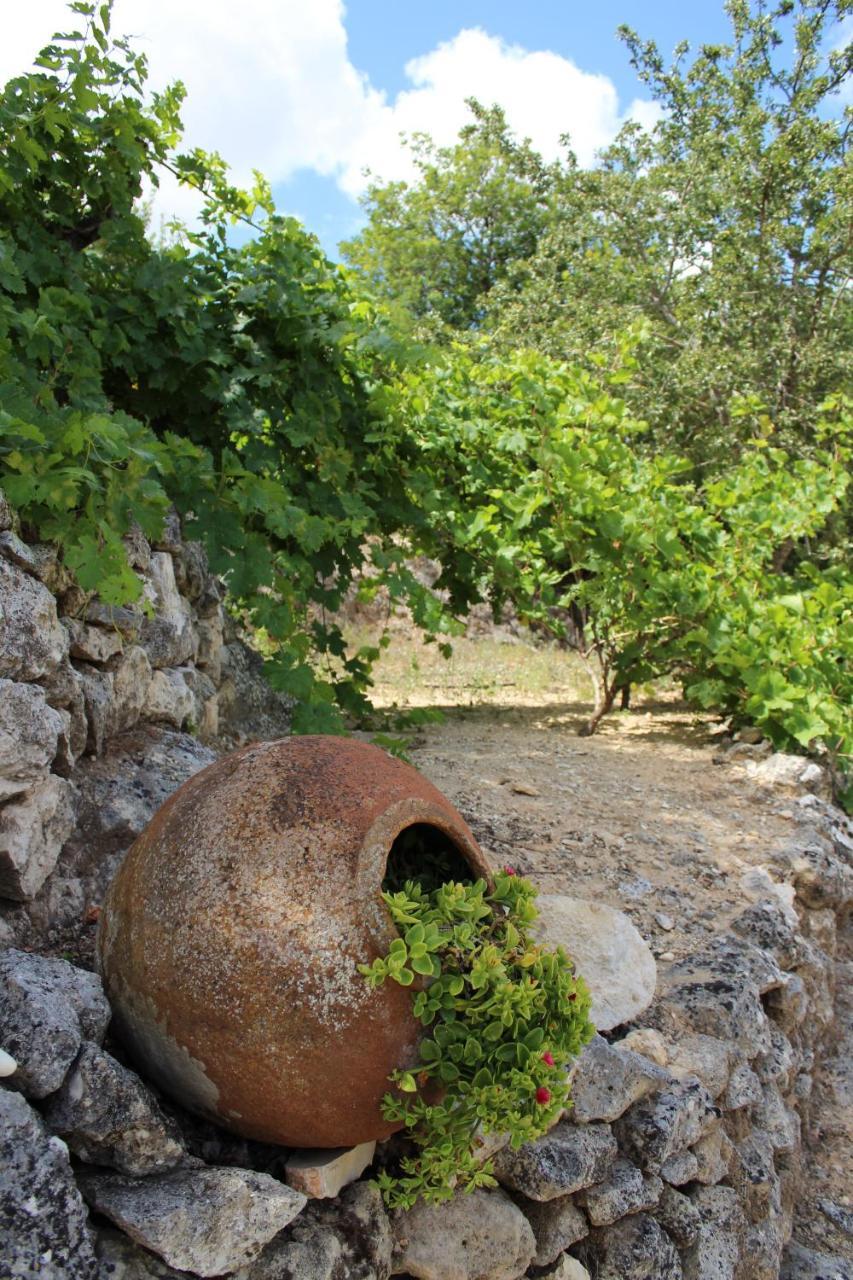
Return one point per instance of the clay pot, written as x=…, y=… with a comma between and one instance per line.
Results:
x=230, y=936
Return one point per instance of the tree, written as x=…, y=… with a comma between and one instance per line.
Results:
x=434, y=250
x=722, y=237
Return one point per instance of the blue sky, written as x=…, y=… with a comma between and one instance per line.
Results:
x=314, y=91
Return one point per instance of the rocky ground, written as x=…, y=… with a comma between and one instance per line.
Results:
x=653, y=817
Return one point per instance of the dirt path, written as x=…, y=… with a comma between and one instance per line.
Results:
x=640, y=816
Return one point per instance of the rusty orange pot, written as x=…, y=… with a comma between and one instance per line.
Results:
x=230, y=938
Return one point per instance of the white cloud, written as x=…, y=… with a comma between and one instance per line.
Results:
x=274, y=88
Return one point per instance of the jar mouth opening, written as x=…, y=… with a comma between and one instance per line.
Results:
x=426, y=854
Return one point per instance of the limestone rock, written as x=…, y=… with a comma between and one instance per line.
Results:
x=168, y=637
x=717, y=1250
x=210, y=642
x=743, y=1089
x=730, y=957
x=666, y=1123
x=607, y=1080
x=349, y=1238
x=821, y=879
x=122, y=1259
x=29, y=732
x=634, y=1249
x=706, y=1058
x=323, y=1174
x=754, y=1177
x=777, y=1064
x=713, y=1155
x=625, y=1190
x=565, y=1268
x=33, y=828
x=119, y=795
x=761, y=1255
x=7, y=516
x=208, y=1221
x=563, y=1160
x=92, y=644
x=556, y=1224
x=191, y=569
x=481, y=1236
x=778, y=1121
x=47, y=1009
x=249, y=708
x=64, y=690
x=43, y=1221
x=107, y=1115
x=768, y=926
x=800, y=1263
x=615, y=962
x=169, y=699
x=648, y=1042
x=98, y=696
x=680, y=1168
x=679, y=1217
x=727, y=1008
x=169, y=537
x=32, y=640
x=793, y=773
x=131, y=680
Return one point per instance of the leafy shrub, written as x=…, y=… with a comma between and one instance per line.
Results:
x=506, y=1016
x=242, y=383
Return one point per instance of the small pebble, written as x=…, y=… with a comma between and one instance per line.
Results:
x=8, y=1065
x=667, y=955
x=666, y=922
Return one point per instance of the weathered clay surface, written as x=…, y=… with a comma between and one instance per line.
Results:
x=230, y=938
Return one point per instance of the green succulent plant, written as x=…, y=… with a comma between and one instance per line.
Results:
x=505, y=1016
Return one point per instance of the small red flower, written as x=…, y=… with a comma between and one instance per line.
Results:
x=543, y=1095
x=510, y=871
x=573, y=996
x=549, y=1058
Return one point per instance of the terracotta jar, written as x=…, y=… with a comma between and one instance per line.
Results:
x=230, y=938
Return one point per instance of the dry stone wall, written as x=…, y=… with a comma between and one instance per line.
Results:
x=104, y=711
x=681, y=1159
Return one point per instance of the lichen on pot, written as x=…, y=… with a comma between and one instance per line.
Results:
x=231, y=936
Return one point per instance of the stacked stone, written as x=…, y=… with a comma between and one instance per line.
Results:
x=681, y=1157
x=679, y=1160
x=104, y=710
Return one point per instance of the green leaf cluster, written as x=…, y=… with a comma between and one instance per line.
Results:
x=242, y=382
x=503, y=1017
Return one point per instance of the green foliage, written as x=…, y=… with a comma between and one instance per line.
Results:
x=243, y=384
x=543, y=495
x=434, y=249
x=505, y=1017
x=631, y=499
x=723, y=232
